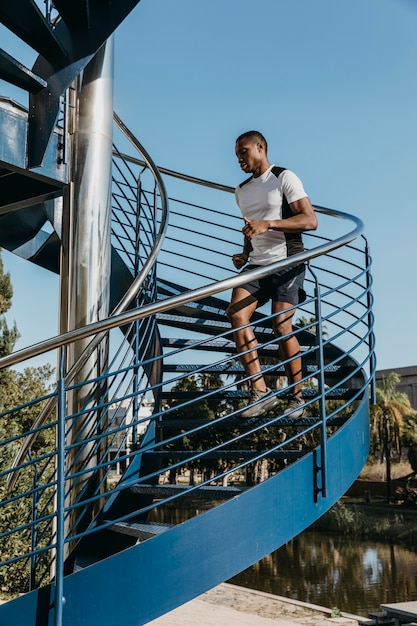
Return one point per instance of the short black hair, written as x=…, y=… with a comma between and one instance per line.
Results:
x=255, y=135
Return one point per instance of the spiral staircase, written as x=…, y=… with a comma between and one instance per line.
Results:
x=155, y=490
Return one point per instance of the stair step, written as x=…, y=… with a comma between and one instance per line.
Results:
x=198, y=321
x=205, y=491
x=240, y=394
x=84, y=560
x=237, y=368
x=223, y=345
x=178, y=321
x=145, y=530
x=13, y=71
x=214, y=345
x=227, y=454
x=30, y=26
x=199, y=318
x=189, y=424
x=229, y=346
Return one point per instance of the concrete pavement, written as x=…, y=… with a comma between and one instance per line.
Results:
x=229, y=605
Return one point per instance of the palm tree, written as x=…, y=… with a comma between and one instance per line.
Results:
x=388, y=415
x=303, y=322
x=409, y=439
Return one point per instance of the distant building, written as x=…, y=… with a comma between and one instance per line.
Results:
x=407, y=384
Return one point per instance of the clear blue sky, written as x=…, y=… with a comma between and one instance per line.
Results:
x=331, y=83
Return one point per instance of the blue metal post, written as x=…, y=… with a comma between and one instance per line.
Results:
x=34, y=534
x=321, y=385
x=60, y=500
x=372, y=360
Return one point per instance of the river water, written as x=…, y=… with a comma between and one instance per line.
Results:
x=329, y=570
x=336, y=571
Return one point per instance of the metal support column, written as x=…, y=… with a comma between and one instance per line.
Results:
x=86, y=265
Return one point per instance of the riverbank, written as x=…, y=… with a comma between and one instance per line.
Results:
x=365, y=513
x=238, y=606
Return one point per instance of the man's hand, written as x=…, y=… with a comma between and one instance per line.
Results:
x=239, y=260
x=254, y=227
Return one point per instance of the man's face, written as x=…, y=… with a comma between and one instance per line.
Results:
x=249, y=155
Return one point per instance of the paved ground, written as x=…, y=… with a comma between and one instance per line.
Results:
x=229, y=605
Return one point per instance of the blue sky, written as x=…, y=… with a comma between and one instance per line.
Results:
x=332, y=84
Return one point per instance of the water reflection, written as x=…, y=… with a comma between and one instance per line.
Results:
x=328, y=570
x=356, y=576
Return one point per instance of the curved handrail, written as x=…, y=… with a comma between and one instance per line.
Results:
x=192, y=295
x=186, y=177
x=122, y=305
x=138, y=281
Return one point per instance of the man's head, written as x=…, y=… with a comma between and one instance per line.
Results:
x=251, y=152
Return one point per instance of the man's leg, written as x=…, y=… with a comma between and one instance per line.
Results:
x=289, y=348
x=239, y=312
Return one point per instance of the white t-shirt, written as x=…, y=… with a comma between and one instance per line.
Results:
x=261, y=198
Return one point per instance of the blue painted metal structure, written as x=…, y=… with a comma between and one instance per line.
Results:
x=170, y=285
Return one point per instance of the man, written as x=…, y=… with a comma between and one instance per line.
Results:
x=276, y=210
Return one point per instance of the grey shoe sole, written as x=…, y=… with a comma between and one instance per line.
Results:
x=267, y=404
x=295, y=412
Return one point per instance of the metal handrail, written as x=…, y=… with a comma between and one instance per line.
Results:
x=193, y=295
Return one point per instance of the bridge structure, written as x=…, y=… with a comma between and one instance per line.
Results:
x=143, y=258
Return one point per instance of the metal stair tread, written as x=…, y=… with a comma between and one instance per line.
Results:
x=191, y=321
x=13, y=71
x=141, y=530
x=200, y=320
x=228, y=454
x=237, y=368
x=228, y=345
x=190, y=423
x=194, y=319
x=164, y=491
x=239, y=394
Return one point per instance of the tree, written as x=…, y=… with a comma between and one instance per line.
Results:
x=409, y=439
x=17, y=389
x=387, y=419
x=303, y=322
x=8, y=336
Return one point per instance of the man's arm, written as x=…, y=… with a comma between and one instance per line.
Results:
x=303, y=218
x=240, y=259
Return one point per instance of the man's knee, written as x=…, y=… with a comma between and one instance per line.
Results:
x=229, y=312
x=282, y=327
x=236, y=316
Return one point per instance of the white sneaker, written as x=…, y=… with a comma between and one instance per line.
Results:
x=295, y=407
x=265, y=400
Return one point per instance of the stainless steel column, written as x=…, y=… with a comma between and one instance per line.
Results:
x=85, y=268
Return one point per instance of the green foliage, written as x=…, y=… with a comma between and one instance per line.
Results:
x=24, y=387
x=352, y=521
x=8, y=336
x=409, y=439
x=204, y=409
x=387, y=420
x=16, y=389
x=310, y=324
x=388, y=416
x=6, y=289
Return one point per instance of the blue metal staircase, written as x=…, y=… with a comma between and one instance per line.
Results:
x=127, y=554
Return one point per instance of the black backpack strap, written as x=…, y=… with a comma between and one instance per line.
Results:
x=294, y=240
x=278, y=170
x=245, y=181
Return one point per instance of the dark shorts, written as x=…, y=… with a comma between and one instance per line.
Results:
x=285, y=286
